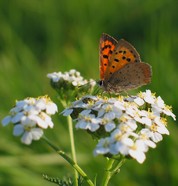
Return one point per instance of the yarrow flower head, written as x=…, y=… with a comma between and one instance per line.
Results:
x=30, y=116
x=70, y=83
x=124, y=126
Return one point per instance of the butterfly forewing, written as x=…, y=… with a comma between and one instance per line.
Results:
x=123, y=54
x=107, y=46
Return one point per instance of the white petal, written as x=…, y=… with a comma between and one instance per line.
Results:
x=150, y=143
x=18, y=130
x=141, y=146
x=146, y=121
x=169, y=113
x=143, y=113
x=74, y=83
x=86, y=112
x=93, y=127
x=101, y=112
x=156, y=110
x=138, y=155
x=15, y=110
x=36, y=133
x=109, y=115
x=20, y=105
x=41, y=104
x=123, y=149
x=96, y=120
x=54, y=76
x=25, y=120
x=127, y=141
x=27, y=138
x=158, y=121
x=163, y=130
x=67, y=112
x=119, y=105
x=17, y=117
x=49, y=121
x=51, y=108
x=31, y=109
x=160, y=102
x=112, y=149
x=102, y=146
x=81, y=124
x=156, y=137
x=139, y=101
x=130, y=99
x=132, y=124
x=109, y=127
x=149, y=98
x=40, y=122
x=131, y=111
x=6, y=120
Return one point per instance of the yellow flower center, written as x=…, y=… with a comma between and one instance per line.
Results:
x=154, y=127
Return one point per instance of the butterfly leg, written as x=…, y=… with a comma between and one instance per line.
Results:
x=126, y=93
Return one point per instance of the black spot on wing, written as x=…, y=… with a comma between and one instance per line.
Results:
x=106, y=46
x=110, y=51
x=128, y=59
x=116, y=60
x=105, y=56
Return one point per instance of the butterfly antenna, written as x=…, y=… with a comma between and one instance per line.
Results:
x=96, y=90
x=89, y=87
x=127, y=94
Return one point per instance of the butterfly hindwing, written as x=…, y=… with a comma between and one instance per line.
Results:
x=132, y=75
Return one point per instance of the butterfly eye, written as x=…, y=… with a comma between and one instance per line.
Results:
x=100, y=83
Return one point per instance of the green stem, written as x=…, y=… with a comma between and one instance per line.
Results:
x=71, y=134
x=70, y=161
x=108, y=173
x=111, y=169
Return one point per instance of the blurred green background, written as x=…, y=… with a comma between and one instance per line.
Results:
x=42, y=36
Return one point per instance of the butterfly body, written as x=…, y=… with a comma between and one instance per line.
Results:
x=121, y=68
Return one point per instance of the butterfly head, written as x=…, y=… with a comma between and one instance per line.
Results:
x=104, y=85
x=101, y=84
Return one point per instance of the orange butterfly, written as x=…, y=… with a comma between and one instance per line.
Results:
x=121, y=68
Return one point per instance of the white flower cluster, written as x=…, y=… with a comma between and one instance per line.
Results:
x=30, y=116
x=125, y=126
x=72, y=77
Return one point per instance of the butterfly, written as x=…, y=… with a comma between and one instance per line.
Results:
x=121, y=68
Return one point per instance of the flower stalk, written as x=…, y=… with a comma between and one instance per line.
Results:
x=71, y=134
x=108, y=172
x=69, y=160
x=112, y=168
